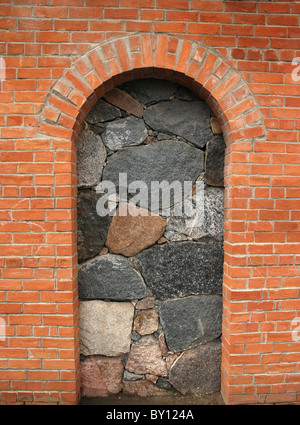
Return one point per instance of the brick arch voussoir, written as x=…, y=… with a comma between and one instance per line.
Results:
x=135, y=56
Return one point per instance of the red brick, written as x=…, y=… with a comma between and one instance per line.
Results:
x=168, y=4
x=207, y=5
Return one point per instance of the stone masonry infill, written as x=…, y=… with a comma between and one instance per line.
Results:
x=150, y=310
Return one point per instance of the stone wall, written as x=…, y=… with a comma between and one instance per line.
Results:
x=150, y=285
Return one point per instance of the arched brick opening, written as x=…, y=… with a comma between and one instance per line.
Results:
x=203, y=71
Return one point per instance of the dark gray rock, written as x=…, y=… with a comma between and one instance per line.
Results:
x=185, y=94
x=129, y=131
x=110, y=277
x=191, y=321
x=91, y=156
x=97, y=128
x=198, y=370
x=102, y=112
x=135, y=336
x=164, y=160
x=190, y=120
x=150, y=90
x=206, y=223
x=92, y=229
x=163, y=383
x=178, y=269
x=214, y=161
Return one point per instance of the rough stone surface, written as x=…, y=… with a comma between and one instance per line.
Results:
x=145, y=357
x=178, y=269
x=162, y=240
x=145, y=303
x=162, y=344
x=175, y=236
x=128, y=376
x=101, y=376
x=214, y=161
x=123, y=100
x=142, y=389
x=163, y=383
x=92, y=229
x=91, y=156
x=171, y=327
x=208, y=223
x=215, y=126
x=135, y=336
x=102, y=112
x=190, y=120
x=105, y=328
x=164, y=160
x=170, y=359
x=151, y=378
x=148, y=91
x=146, y=322
x=131, y=233
x=185, y=94
x=110, y=277
x=129, y=131
x=190, y=321
x=198, y=371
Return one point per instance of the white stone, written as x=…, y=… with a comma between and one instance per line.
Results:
x=105, y=327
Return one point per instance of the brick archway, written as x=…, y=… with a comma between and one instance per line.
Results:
x=206, y=73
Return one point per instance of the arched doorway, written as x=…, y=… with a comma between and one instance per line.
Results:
x=205, y=73
x=151, y=247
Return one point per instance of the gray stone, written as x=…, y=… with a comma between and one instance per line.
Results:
x=92, y=229
x=178, y=269
x=97, y=128
x=110, y=277
x=91, y=156
x=163, y=383
x=128, y=376
x=198, y=371
x=190, y=120
x=214, y=161
x=129, y=131
x=191, y=321
x=208, y=221
x=135, y=336
x=185, y=94
x=102, y=112
x=105, y=327
x=172, y=235
x=145, y=357
x=150, y=90
x=164, y=160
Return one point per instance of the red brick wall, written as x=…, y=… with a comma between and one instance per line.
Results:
x=60, y=56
